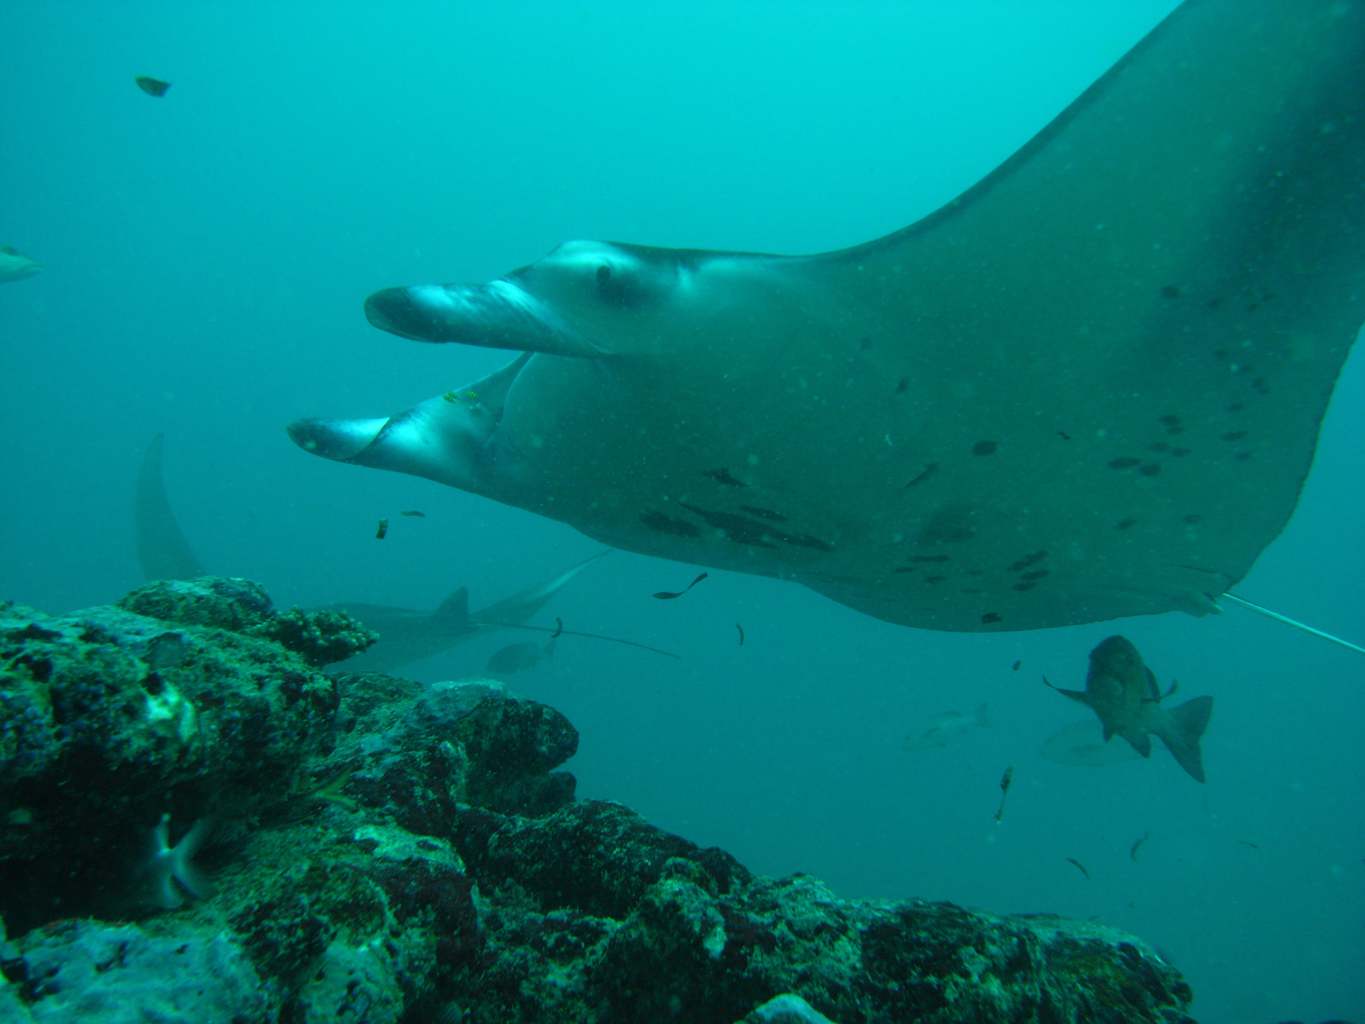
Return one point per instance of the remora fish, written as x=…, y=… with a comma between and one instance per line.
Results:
x=1122, y=691
x=1173, y=269
x=15, y=266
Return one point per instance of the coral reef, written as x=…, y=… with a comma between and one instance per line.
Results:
x=382, y=851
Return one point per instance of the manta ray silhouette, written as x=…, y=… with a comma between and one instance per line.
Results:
x=1089, y=387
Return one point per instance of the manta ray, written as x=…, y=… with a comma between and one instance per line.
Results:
x=1088, y=387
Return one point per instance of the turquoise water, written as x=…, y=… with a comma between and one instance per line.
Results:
x=206, y=255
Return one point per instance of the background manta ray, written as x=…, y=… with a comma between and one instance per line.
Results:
x=406, y=635
x=1089, y=387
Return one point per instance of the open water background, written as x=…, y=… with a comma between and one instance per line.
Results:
x=206, y=257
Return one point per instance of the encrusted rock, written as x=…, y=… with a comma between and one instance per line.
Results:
x=383, y=851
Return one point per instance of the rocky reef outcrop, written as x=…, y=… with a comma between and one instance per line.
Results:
x=198, y=823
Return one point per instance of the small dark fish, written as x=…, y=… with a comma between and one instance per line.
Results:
x=1132, y=850
x=1016, y=666
x=382, y=530
x=1078, y=866
x=669, y=595
x=1064, y=435
x=413, y=513
x=741, y=633
x=152, y=86
x=559, y=628
x=1005, y=781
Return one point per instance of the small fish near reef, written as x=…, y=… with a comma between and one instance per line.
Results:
x=1123, y=692
x=946, y=728
x=152, y=86
x=1005, y=781
x=673, y=595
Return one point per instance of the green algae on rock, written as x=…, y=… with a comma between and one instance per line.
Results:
x=385, y=851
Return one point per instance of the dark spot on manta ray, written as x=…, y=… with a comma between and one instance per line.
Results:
x=930, y=558
x=723, y=476
x=1170, y=419
x=1235, y=407
x=1213, y=303
x=924, y=475
x=985, y=447
x=1234, y=435
x=764, y=513
x=1064, y=435
x=1125, y=462
x=1026, y=585
x=1180, y=453
x=1170, y=291
x=934, y=579
x=1149, y=468
x=949, y=525
x=1242, y=456
x=1036, y=574
x=989, y=618
x=746, y=531
x=1020, y=564
x=1191, y=519
x=1125, y=524
x=864, y=343
x=906, y=568
x=660, y=523
x=1175, y=429
x=971, y=590
x=1158, y=446
x=902, y=385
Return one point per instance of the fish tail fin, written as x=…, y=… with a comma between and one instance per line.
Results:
x=1182, y=731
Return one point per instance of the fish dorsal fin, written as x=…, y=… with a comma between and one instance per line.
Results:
x=454, y=610
x=162, y=549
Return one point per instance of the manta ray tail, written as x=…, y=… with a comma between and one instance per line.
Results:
x=1183, y=728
